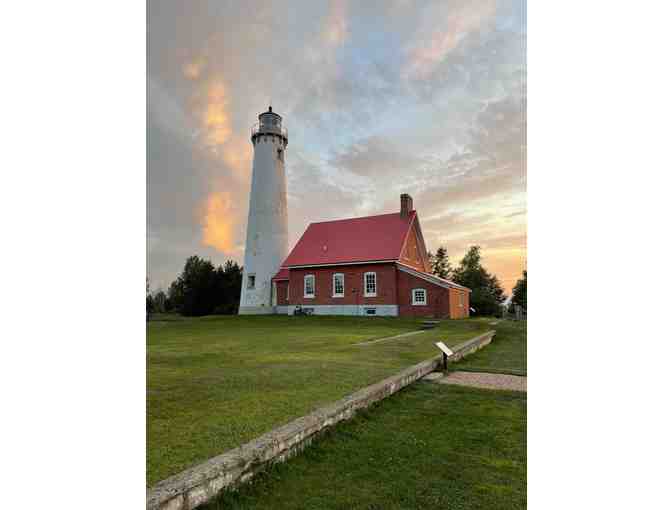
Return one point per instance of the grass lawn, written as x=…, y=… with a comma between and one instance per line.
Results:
x=506, y=354
x=429, y=446
x=214, y=383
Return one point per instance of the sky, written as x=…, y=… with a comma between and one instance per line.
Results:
x=379, y=98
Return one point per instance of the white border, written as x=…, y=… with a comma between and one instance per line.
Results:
x=417, y=303
x=305, y=280
x=344, y=264
x=375, y=283
x=333, y=285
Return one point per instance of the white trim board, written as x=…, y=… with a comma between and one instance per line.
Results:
x=430, y=278
x=344, y=264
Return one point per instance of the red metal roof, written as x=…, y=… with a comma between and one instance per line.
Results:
x=283, y=274
x=366, y=239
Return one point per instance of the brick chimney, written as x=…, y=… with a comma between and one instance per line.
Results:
x=406, y=205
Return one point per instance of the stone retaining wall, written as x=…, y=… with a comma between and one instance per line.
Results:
x=196, y=485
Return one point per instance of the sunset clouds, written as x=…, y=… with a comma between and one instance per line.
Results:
x=378, y=97
x=217, y=222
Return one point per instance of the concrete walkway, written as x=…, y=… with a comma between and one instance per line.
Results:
x=481, y=380
x=395, y=337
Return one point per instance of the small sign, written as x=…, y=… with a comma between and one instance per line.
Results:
x=444, y=348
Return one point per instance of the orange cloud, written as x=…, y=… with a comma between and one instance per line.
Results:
x=193, y=70
x=218, y=222
x=237, y=154
x=335, y=30
x=212, y=109
x=216, y=119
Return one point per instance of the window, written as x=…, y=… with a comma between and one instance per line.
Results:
x=281, y=156
x=419, y=296
x=461, y=302
x=250, y=281
x=369, y=284
x=339, y=285
x=309, y=286
x=370, y=311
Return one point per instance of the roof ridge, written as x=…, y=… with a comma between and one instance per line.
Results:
x=357, y=218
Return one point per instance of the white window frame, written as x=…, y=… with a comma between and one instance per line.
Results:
x=251, y=278
x=333, y=285
x=414, y=301
x=305, y=281
x=375, y=285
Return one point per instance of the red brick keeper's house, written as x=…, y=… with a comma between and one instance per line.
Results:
x=375, y=265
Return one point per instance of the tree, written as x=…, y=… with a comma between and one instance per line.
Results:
x=160, y=299
x=202, y=289
x=440, y=264
x=520, y=292
x=176, y=295
x=198, y=286
x=229, y=281
x=149, y=305
x=149, y=302
x=486, y=291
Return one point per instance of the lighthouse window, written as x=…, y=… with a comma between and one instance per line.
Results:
x=281, y=156
x=309, y=286
x=250, y=281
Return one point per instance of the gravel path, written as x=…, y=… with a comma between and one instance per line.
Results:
x=482, y=380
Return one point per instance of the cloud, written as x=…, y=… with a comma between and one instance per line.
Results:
x=218, y=222
x=377, y=156
x=313, y=196
x=445, y=27
x=215, y=119
x=492, y=164
x=193, y=70
x=335, y=30
x=430, y=102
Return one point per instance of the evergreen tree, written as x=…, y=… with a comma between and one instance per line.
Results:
x=441, y=265
x=486, y=291
x=149, y=302
x=520, y=292
x=202, y=289
x=160, y=299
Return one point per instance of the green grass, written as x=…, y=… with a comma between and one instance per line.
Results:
x=216, y=382
x=506, y=354
x=429, y=446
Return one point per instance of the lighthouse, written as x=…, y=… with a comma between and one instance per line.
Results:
x=266, y=244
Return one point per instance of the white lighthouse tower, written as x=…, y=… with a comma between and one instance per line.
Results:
x=266, y=245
